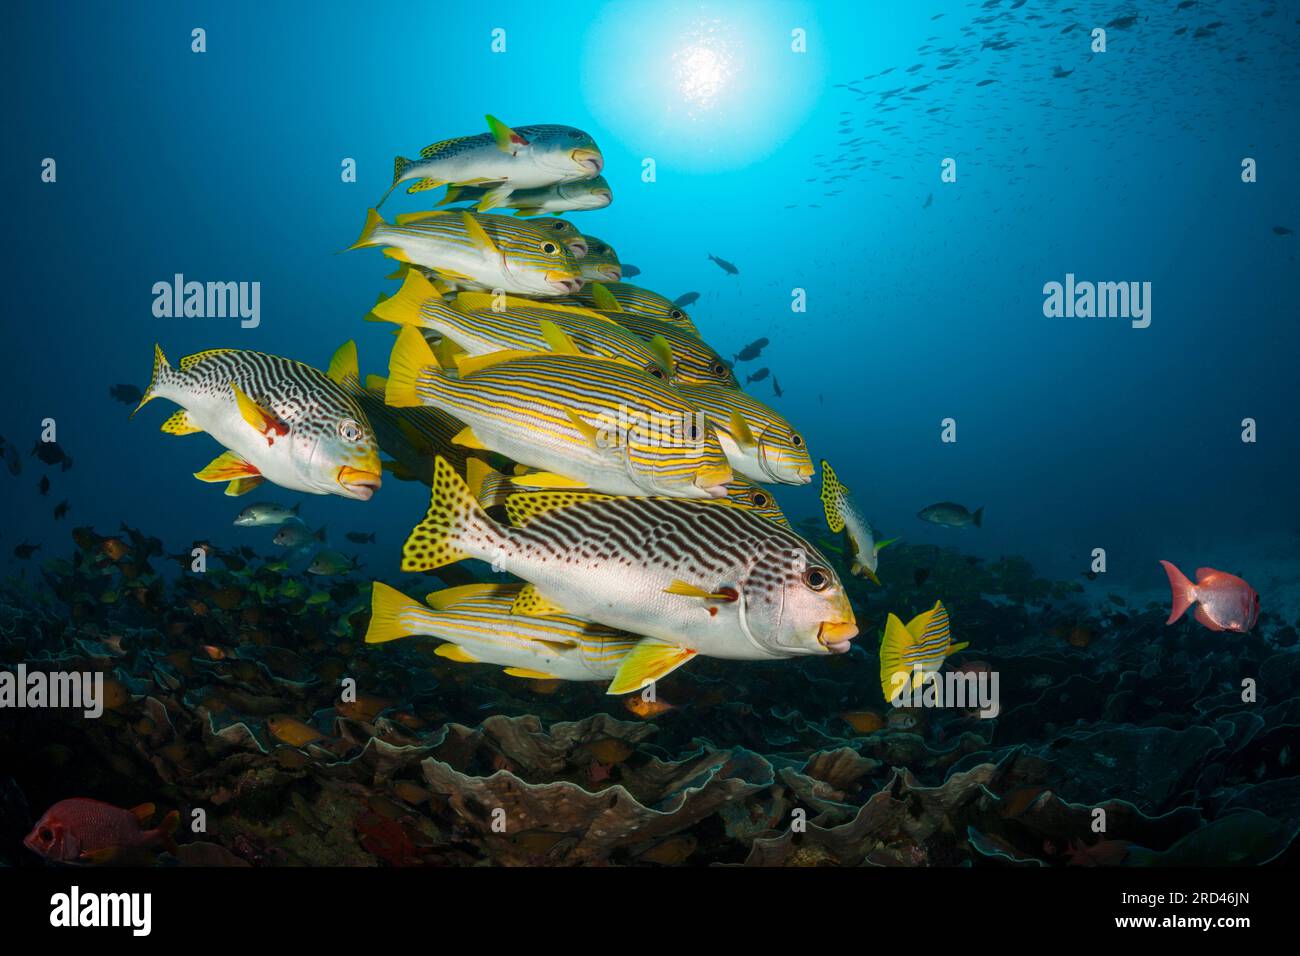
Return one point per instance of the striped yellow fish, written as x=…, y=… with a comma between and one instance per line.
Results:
x=563, y=230
x=623, y=297
x=691, y=576
x=469, y=250
x=481, y=324
x=759, y=442
x=574, y=196
x=281, y=421
x=745, y=493
x=480, y=627
x=694, y=362
x=601, y=263
x=503, y=160
x=585, y=422
x=909, y=653
x=411, y=437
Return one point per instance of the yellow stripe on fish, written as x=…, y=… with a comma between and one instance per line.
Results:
x=601, y=263
x=583, y=421
x=759, y=442
x=623, y=297
x=694, y=362
x=483, y=252
x=481, y=323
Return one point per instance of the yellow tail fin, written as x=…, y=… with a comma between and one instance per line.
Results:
x=373, y=222
x=160, y=370
x=404, y=306
x=386, y=608
x=455, y=526
x=410, y=358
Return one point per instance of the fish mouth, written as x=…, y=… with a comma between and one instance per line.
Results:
x=589, y=158
x=713, y=481
x=578, y=247
x=835, y=635
x=566, y=283
x=612, y=273
x=605, y=196
x=359, y=483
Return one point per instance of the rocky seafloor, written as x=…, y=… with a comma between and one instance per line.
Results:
x=223, y=694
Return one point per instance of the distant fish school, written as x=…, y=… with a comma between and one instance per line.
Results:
x=575, y=431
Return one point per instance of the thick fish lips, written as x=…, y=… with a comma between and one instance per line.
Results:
x=835, y=635
x=714, y=481
x=589, y=158
x=565, y=282
x=358, y=483
x=578, y=247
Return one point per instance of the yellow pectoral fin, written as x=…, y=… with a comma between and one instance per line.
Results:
x=531, y=604
x=448, y=597
x=954, y=648
x=557, y=339
x=740, y=430
x=530, y=674
x=546, y=479
x=479, y=235
x=588, y=430
x=604, y=299
x=397, y=254
x=242, y=486
x=646, y=663
x=456, y=653
x=179, y=423
x=690, y=590
x=262, y=420
x=226, y=467
x=467, y=439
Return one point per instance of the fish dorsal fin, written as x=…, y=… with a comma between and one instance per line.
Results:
x=523, y=507
x=930, y=624
x=190, y=361
x=740, y=430
x=832, y=498
x=557, y=338
x=433, y=149
x=604, y=299
x=469, y=364
x=379, y=382
x=647, y=662
x=450, y=597
x=344, y=363
x=530, y=603
x=401, y=219
x=144, y=812
x=479, y=234
x=508, y=141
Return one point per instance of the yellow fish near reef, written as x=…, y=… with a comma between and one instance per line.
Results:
x=911, y=652
x=842, y=514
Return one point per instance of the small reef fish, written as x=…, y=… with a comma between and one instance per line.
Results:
x=51, y=453
x=281, y=421
x=692, y=576
x=294, y=534
x=842, y=514
x=724, y=265
x=687, y=298
x=578, y=196
x=950, y=515
x=693, y=361
x=89, y=831
x=126, y=394
x=634, y=434
x=468, y=250
x=758, y=376
x=911, y=652
x=480, y=627
x=264, y=514
x=332, y=562
x=751, y=351
x=624, y=297
x=505, y=159
x=1224, y=602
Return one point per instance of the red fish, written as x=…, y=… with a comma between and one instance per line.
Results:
x=1224, y=602
x=84, y=830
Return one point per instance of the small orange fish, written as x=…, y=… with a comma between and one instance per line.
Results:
x=647, y=708
x=115, y=548
x=292, y=731
x=863, y=721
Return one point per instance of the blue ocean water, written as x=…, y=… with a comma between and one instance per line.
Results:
x=817, y=171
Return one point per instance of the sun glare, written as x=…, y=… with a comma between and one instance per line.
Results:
x=702, y=73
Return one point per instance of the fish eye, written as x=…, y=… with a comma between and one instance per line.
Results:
x=676, y=314
x=349, y=430
x=760, y=500
x=796, y=440
x=655, y=370
x=550, y=248
x=720, y=370
x=560, y=226
x=46, y=834
x=817, y=578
